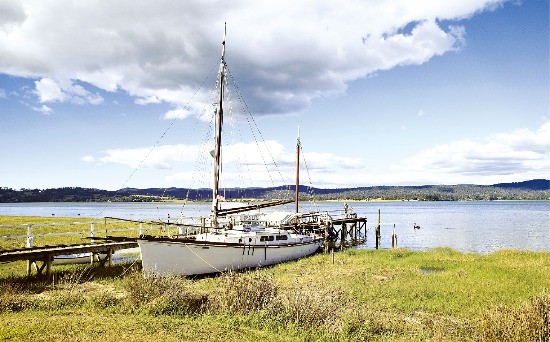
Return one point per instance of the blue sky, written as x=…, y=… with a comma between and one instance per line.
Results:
x=119, y=94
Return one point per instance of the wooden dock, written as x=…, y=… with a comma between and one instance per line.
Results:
x=46, y=254
x=347, y=231
x=339, y=231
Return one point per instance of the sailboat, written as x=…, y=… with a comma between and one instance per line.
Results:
x=229, y=240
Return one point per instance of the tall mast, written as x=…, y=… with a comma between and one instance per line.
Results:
x=298, y=145
x=219, y=119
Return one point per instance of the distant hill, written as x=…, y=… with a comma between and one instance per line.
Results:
x=534, y=184
x=536, y=189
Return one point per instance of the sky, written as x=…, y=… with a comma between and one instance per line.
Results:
x=114, y=94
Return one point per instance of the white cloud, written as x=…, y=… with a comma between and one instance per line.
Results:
x=12, y=14
x=284, y=53
x=178, y=113
x=266, y=163
x=48, y=90
x=2, y=94
x=88, y=159
x=147, y=100
x=43, y=109
x=159, y=157
x=521, y=152
x=503, y=157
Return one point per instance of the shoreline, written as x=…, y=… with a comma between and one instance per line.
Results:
x=378, y=200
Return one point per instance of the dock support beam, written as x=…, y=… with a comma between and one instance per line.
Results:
x=110, y=257
x=49, y=259
x=378, y=231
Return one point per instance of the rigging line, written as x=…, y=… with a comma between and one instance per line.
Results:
x=202, y=158
x=308, y=175
x=161, y=137
x=241, y=157
x=249, y=114
x=182, y=109
x=127, y=269
x=198, y=256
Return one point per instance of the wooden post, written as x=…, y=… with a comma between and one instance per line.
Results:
x=29, y=236
x=365, y=232
x=29, y=245
x=141, y=229
x=110, y=256
x=203, y=225
x=393, y=237
x=378, y=231
x=342, y=236
x=92, y=231
x=49, y=259
x=326, y=238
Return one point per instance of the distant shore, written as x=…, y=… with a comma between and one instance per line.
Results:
x=536, y=189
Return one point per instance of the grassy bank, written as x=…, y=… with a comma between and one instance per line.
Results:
x=363, y=295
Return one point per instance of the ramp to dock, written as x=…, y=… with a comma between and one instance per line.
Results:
x=46, y=254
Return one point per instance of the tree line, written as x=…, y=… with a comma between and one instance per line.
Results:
x=538, y=189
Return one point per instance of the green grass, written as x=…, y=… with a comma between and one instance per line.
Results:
x=387, y=295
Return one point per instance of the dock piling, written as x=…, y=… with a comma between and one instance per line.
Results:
x=393, y=238
x=377, y=237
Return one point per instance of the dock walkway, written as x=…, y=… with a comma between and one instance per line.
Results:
x=46, y=254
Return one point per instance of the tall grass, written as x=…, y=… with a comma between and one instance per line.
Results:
x=163, y=295
x=527, y=322
x=363, y=295
x=258, y=293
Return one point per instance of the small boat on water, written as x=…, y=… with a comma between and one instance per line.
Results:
x=229, y=240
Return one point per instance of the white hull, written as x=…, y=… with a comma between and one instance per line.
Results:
x=192, y=258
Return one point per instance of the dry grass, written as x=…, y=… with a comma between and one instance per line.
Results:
x=528, y=322
x=364, y=295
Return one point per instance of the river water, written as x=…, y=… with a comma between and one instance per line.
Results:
x=479, y=227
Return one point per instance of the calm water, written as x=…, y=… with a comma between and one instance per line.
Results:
x=480, y=227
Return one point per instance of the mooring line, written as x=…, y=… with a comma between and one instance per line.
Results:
x=209, y=264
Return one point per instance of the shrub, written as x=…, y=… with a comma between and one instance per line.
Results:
x=244, y=293
x=163, y=295
x=309, y=307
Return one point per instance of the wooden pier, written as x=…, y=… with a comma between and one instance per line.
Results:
x=46, y=254
x=347, y=231
x=340, y=231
